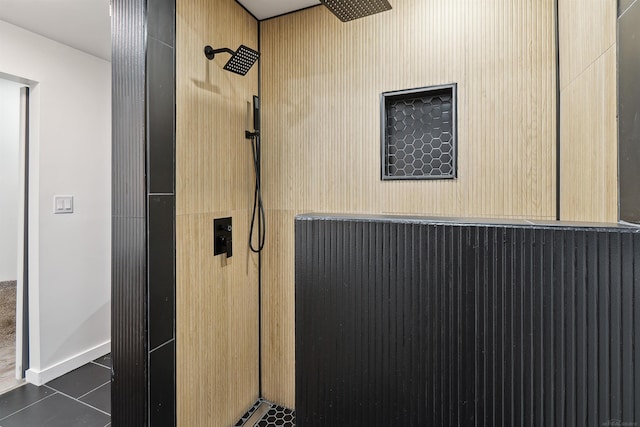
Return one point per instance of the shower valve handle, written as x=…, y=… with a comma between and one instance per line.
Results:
x=222, y=237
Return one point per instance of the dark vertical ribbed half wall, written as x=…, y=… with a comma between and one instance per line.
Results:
x=129, y=268
x=418, y=323
x=143, y=230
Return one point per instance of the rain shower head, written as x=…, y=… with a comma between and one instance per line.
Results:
x=348, y=10
x=241, y=60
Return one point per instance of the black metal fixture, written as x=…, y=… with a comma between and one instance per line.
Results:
x=222, y=237
x=348, y=10
x=258, y=217
x=241, y=60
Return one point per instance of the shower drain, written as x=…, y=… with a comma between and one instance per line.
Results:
x=266, y=414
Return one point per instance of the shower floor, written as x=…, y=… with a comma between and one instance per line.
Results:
x=266, y=414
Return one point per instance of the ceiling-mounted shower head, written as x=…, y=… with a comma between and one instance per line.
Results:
x=241, y=60
x=348, y=10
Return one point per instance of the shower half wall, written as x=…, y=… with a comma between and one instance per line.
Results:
x=417, y=321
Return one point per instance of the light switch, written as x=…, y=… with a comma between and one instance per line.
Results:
x=62, y=204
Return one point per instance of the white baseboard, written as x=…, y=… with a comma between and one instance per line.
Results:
x=44, y=376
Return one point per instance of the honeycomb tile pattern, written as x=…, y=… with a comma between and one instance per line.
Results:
x=275, y=416
x=420, y=135
x=278, y=416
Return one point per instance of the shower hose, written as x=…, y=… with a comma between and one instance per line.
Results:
x=257, y=217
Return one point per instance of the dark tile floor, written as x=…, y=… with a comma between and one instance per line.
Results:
x=79, y=398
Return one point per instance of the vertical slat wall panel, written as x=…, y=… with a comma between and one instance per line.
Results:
x=321, y=106
x=216, y=297
x=129, y=298
x=128, y=108
x=410, y=322
x=321, y=142
x=588, y=134
x=143, y=217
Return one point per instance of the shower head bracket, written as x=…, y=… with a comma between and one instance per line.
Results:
x=210, y=52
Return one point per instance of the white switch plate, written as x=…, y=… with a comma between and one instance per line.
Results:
x=62, y=204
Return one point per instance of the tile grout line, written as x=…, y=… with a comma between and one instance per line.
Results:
x=86, y=404
x=55, y=391
x=91, y=391
x=80, y=401
x=25, y=407
x=162, y=345
x=627, y=9
x=592, y=63
x=100, y=364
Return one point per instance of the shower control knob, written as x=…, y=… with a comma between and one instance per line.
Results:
x=222, y=237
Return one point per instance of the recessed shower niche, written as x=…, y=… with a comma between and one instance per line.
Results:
x=419, y=135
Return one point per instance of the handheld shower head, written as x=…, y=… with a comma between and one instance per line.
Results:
x=348, y=10
x=241, y=60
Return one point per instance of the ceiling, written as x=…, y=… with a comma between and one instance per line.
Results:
x=262, y=9
x=86, y=25
x=82, y=24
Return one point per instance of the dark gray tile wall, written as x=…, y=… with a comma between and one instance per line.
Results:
x=623, y=5
x=143, y=249
x=161, y=269
x=161, y=21
x=162, y=386
x=161, y=210
x=629, y=111
x=161, y=116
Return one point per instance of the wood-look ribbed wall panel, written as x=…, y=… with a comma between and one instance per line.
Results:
x=278, y=302
x=587, y=29
x=218, y=344
x=321, y=142
x=217, y=299
x=589, y=159
x=589, y=155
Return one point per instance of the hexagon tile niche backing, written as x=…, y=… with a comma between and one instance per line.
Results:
x=419, y=138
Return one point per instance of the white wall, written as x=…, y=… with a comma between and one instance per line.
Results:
x=9, y=170
x=69, y=288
